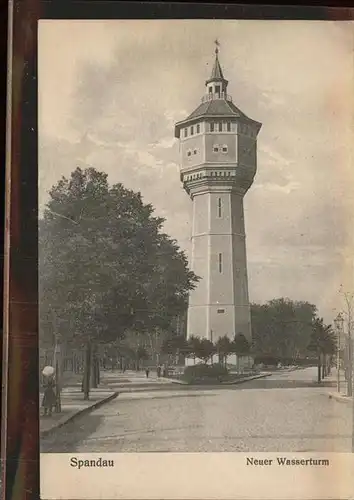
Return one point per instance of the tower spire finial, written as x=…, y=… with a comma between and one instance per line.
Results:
x=217, y=45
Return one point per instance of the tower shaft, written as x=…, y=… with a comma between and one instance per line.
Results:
x=219, y=305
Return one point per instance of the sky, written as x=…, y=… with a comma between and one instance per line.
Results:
x=110, y=93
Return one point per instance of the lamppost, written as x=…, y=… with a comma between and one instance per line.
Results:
x=338, y=323
x=57, y=368
x=349, y=297
x=350, y=361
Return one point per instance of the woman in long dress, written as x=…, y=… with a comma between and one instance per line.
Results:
x=49, y=398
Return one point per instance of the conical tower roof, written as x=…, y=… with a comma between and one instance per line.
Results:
x=216, y=72
x=215, y=104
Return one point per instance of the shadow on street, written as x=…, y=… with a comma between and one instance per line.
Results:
x=61, y=441
x=284, y=384
x=265, y=383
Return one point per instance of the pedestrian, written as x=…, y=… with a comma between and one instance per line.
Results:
x=49, y=397
x=158, y=371
x=147, y=371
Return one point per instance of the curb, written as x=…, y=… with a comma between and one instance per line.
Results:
x=226, y=384
x=339, y=398
x=255, y=377
x=157, y=387
x=79, y=413
x=188, y=387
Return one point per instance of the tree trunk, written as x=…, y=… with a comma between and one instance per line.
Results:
x=98, y=372
x=95, y=367
x=87, y=371
x=319, y=369
x=238, y=364
x=93, y=377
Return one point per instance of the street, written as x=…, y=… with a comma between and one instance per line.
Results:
x=285, y=412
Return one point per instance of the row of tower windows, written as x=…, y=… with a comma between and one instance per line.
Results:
x=216, y=149
x=194, y=129
x=212, y=127
x=219, y=127
x=217, y=90
x=211, y=174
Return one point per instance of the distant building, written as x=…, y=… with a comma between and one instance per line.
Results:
x=218, y=148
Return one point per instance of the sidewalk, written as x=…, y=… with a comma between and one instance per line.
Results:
x=342, y=395
x=112, y=383
x=73, y=403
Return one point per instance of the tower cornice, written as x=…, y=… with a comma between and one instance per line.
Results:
x=208, y=114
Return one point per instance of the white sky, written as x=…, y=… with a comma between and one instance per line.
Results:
x=111, y=91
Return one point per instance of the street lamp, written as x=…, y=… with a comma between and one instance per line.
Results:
x=350, y=362
x=338, y=323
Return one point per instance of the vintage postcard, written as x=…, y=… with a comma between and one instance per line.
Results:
x=196, y=259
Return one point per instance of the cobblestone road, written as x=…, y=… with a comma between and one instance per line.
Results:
x=285, y=412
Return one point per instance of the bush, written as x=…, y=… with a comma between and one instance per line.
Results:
x=205, y=373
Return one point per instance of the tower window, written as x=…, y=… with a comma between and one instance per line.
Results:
x=189, y=153
x=228, y=126
x=220, y=263
x=210, y=90
x=217, y=89
x=192, y=130
x=198, y=128
x=185, y=132
x=220, y=127
x=211, y=127
x=224, y=148
x=195, y=151
x=219, y=207
x=216, y=148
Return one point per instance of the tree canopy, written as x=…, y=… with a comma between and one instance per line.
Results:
x=106, y=266
x=281, y=328
x=241, y=345
x=323, y=339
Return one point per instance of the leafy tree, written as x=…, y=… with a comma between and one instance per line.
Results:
x=224, y=347
x=141, y=355
x=323, y=342
x=241, y=347
x=201, y=348
x=175, y=345
x=193, y=346
x=106, y=267
x=281, y=329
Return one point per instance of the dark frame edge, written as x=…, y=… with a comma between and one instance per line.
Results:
x=20, y=422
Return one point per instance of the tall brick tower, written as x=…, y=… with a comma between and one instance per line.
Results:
x=218, y=155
